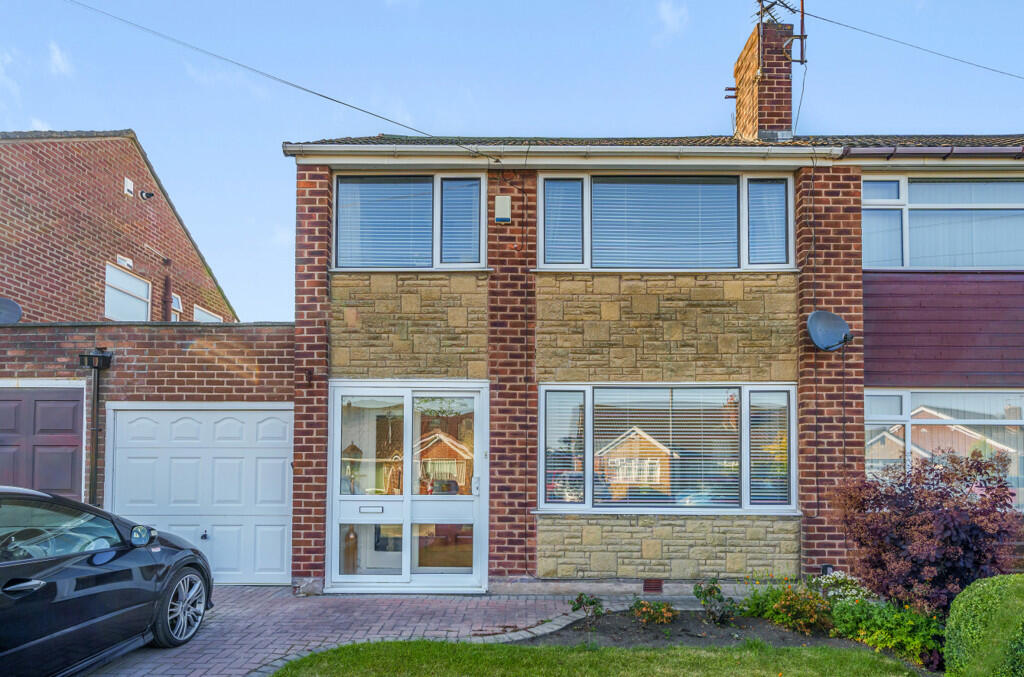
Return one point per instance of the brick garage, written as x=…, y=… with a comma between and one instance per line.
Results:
x=157, y=362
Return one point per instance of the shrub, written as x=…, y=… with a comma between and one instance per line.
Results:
x=718, y=608
x=985, y=631
x=657, y=613
x=912, y=635
x=921, y=536
x=801, y=609
x=838, y=586
x=762, y=595
x=592, y=607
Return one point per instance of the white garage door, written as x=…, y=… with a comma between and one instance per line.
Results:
x=219, y=477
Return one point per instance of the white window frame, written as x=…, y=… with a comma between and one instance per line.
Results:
x=149, y=291
x=743, y=232
x=436, y=263
x=904, y=418
x=197, y=307
x=904, y=206
x=745, y=507
x=176, y=308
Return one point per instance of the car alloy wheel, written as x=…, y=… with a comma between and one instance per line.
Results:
x=187, y=606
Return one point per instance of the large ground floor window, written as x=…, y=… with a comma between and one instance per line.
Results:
x=904, y=425
x=667, y=448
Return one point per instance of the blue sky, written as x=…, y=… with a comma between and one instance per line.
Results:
x=566, y=67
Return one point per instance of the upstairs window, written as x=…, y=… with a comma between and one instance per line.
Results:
x=200, y=314
x=126, y=296
x=410, y=222
x=943, y=224
x=175, y=308
x=665, y=222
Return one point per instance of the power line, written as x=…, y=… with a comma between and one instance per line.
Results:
x=905, y=43
x=269, y=76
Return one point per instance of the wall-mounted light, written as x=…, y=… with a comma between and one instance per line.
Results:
x=99, y=358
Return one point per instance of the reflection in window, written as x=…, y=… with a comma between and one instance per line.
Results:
x=371, y=445
x=884, y=445
x=563, y=446
x=370, y=549
x=35, y=530
x=443, y=548
x=666, y=446
x=443, y=445
x=769, y=448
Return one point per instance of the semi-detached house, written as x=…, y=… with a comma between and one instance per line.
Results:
x=532, y=364
x=609, y=334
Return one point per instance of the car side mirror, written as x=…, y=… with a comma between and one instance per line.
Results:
x=142, y=536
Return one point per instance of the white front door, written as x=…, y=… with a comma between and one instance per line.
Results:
x=408, y=490
x=217, y=475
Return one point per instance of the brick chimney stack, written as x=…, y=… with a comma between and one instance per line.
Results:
x=764, y=84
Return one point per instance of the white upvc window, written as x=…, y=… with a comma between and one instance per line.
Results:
x=967, y=222
x=200, y=314
x=664, y=222
x=126, y=296
x=901, y=426
x=175, y=307
x=653, y=448
x=411, y=222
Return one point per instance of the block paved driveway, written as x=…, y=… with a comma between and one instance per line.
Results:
x=252, y=626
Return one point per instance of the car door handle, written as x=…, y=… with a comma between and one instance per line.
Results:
x=24, y=586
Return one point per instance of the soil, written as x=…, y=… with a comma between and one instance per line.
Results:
x=689, y=629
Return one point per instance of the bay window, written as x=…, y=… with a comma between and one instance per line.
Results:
x=945, y=224
x=614, y=222
x=903, y=426
x=410, y=222
x=667, y=448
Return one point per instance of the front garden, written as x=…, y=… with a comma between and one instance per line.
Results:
x=926, y=593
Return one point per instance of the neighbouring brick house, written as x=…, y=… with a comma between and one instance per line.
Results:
x=193, y=417
x=619, y=327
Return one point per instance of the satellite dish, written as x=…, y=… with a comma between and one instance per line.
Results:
x=10, y=311
x=828, y=331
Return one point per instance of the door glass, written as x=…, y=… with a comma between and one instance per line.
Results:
x=370, y=549
x=36, y=530
x=372, y=430
x=443, y=548
x=442, y=446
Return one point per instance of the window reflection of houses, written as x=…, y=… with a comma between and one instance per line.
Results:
x=633, y=463
x=445, y=465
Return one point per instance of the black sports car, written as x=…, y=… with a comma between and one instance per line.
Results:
x=79, y=586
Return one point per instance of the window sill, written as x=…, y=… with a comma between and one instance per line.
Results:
x=680, y=512
x=657, y=271
x=410, y=270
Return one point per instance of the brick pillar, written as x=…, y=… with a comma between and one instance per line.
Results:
x=828, y=249
x=312, y=306
x=764, y=83
x=511, y=362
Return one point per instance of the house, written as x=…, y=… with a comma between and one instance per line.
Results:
x=88, y=233
x=189, y=429
x=624, y=320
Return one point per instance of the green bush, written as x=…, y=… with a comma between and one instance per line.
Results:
x=718, y=608
x=909, y=634
x=656, y=613
x=985, y=631
x=761, y=600
x=801, y=609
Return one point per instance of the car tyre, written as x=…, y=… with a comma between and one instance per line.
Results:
x=181, y=610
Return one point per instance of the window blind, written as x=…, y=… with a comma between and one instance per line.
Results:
x=666, y=447
x=460, y=220
x=385, y=222
x=950, y=238
x=882, y=233
x=665, y=222
x=563, y=221
x=564, y=446
x=767, y=221
x=769, y=448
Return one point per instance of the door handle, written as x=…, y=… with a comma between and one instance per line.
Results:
x=24, y=586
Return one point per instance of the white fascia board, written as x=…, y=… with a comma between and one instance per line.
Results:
x=932, y=163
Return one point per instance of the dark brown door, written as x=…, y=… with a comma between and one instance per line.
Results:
x=41, y=439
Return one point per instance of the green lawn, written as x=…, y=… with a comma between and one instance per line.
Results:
x=497, y=660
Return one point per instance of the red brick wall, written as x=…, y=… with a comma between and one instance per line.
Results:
x=64, y=215
x=157, y=362
x=764, y=82
x=312, y=309
x=828, y=245
x=511, y=359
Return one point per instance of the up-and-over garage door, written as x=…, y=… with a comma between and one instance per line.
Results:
x=220, y=477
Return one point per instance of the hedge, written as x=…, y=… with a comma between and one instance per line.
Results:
x=985, y=630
